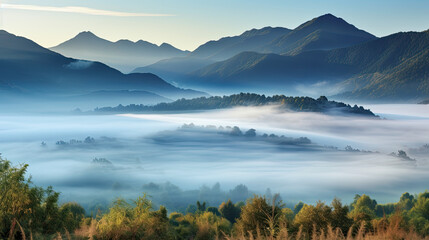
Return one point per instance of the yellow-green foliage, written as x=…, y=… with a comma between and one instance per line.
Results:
x=134, y=221
x=29, y=212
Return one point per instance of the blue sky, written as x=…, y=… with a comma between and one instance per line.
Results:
x=188, y=23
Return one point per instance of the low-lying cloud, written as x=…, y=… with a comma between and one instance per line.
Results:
x=89, y=158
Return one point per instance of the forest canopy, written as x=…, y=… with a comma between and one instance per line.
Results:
x=28, y=211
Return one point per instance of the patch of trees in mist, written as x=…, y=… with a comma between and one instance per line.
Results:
x=298, y=104
x=233, y=133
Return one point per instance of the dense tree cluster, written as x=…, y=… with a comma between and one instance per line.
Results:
x=299, y=104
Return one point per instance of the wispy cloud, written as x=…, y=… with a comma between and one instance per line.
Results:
x=80, y=10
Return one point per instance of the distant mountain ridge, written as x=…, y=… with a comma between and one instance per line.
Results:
x=212, y=51
x=31, y=70
x=388, y=68
x=322, y=33
x=124, y=55
x=252, y=40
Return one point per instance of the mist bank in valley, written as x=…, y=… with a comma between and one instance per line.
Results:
x=301, y=155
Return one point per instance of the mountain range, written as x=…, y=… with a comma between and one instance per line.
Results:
x=322, y=33
x=388, y=68
x=323, y=56
x=31, y=71
x=123, y=55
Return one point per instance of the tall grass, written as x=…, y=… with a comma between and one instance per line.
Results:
x=391, y=232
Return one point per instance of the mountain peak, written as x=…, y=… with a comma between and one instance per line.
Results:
x=263, y=31
x=328, y=16
x=327, y=20
x=86, y=34
x=333, y=24
x=166, y=46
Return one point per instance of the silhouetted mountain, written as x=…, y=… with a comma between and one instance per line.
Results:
x=212, y=51
x=174, y=67
x=392, y=67
x=124, y=55
x=322, y=33
x=30, y=69
x=271, y=73
x=254, y=40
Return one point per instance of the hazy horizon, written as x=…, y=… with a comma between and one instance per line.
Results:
x=188, y=24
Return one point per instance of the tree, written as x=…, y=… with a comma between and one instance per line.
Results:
x=239, y=193
x=419, y=214
x=406, y=201
x=339, y=218
x=25, y=208
x=72, y=214
x=363, y=210
x=15, y=199
x=310, y=216
x=298, y=207
x=214, y=210
x=258, y=216
x=229, y=211
x=201, y=207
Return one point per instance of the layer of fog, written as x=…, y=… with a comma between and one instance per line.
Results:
x=141, y=153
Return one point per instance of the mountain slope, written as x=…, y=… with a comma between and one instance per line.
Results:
x=322, y=33
x=396, y=66
x=392, y=67
x=32, y=69
x=123, y=54
x=253, y=40
x=212, y=51
x=174, y=67
x=270, y=72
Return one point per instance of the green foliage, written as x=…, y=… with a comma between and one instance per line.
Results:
x=31, y=212
x=229, y=211
x=339, y=216
x=214, y=210
x=363, y=211
x=137, y=220
x=258, y=216
x=26, y=210
x=73, y=214
x=319, y=216
x=419, y=214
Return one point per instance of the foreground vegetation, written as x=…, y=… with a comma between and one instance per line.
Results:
x=299, y=104
x=30, y=212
